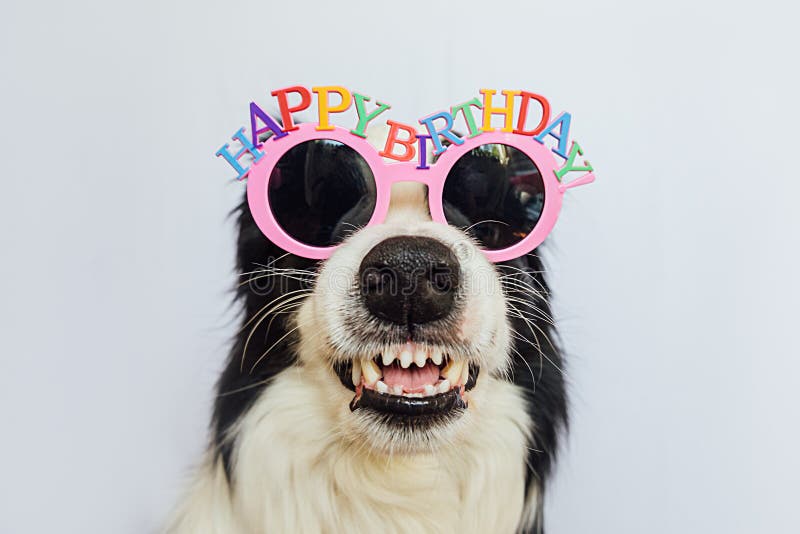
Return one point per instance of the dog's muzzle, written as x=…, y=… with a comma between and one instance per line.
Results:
x=407, y=282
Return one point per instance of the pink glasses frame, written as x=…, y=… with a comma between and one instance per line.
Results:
x=388, y=173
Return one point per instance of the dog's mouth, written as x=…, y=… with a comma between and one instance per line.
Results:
x=411, y=380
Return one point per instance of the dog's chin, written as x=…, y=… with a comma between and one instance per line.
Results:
x=408, y=406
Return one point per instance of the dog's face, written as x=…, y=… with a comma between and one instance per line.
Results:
x=403, y=339
x=406, y=317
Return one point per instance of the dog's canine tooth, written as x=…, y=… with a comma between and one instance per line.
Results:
x=387, y=357
x=420, y=356
x=436, y=356
x=397, y=390
x=464, y=375
x=444, y=386
x=452, y=371
x=356, y=372
x=371, y=372
x=381, y=387
x=406, y=358
x=430, y=390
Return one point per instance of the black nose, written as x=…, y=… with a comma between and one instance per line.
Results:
x=409, y=279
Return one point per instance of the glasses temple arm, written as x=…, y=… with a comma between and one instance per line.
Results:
x=583, y=180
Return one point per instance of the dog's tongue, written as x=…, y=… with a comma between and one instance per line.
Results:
x=412, y=379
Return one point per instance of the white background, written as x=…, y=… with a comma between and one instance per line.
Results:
x=675, y=273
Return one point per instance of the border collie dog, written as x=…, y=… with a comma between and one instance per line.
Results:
x=405, y=384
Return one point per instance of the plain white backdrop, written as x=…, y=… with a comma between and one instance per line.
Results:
x=675, y=273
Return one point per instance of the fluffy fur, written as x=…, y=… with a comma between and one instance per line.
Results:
x=288, y=455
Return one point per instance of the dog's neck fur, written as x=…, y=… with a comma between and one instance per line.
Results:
x=293, y=474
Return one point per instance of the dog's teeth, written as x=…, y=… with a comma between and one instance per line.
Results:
x=406, y=358
x=381, y=387
x=452, y=371
x=444, y=386
x=388, y=357
x=430, y=390
x=436, y=356
x=397, y=390
x=371, y=372
x=356, y=372
x=420, y=357
x=464, y=375
x=414, y=395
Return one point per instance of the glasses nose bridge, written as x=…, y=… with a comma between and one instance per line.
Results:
x=408, y=200
x=408, y=171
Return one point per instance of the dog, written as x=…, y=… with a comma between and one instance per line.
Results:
x=405, y=384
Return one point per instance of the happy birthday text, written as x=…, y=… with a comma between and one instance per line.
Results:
x=403, y=142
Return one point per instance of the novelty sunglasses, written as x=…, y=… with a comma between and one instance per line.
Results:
x=312, y=187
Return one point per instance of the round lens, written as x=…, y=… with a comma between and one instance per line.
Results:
x=321, y=191
x=495, y=193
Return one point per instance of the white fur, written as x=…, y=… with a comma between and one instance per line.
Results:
x=295, y=472
x=304, y=463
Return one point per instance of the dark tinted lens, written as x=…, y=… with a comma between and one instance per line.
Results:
x=321, y=191
x=496, y=193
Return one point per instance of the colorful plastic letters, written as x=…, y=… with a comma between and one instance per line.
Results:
x=258, y=113
x=401, y=143
x=523, y=113
x=569, y=166
x=392, y=140
x=506, y=111
x=465, y=109
x=283, y=104
x=365, y=118
x=324, y=105
x=562, y=123
x=233, y=159
x=446, y=132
